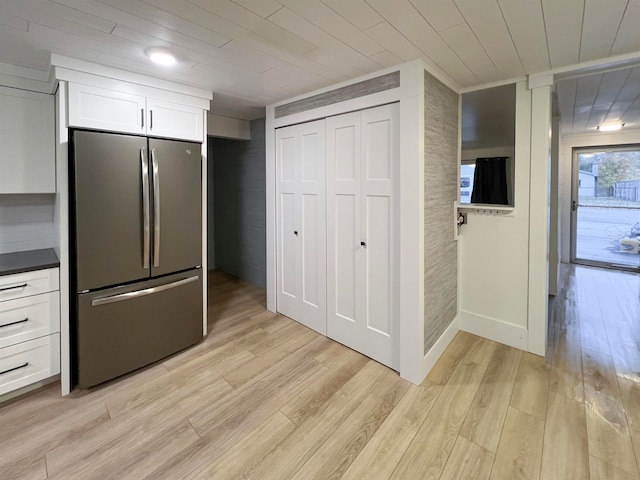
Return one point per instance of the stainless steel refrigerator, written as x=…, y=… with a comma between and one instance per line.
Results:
x=136, y=233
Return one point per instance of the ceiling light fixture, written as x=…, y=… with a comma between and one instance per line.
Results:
x=610, y=128
x=161, y=56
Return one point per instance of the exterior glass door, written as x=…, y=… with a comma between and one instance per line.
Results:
x=606, y=207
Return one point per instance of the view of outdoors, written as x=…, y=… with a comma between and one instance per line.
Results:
x=608, y=222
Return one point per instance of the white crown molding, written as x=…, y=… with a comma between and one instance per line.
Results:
x=24, y=78
x=65, y=64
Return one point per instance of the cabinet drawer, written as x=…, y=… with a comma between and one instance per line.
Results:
x=28, y=318
x=29, y=283
x=29, y=362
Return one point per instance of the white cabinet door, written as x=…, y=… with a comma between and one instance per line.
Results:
x=301, y=224
x=103, y=109
x=27, y=142
x=172, y=120
x=362, y=255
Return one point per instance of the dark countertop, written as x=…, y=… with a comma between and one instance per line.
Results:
x=19, y=262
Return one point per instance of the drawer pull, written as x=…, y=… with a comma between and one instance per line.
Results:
x=13, y=288
x=15, y=323
x=15, y=368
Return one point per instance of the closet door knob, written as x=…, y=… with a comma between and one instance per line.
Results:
x=364, y=244
x=295, y=232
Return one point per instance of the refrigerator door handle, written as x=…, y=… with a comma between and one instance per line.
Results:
x=146, y=217
x=156, y=209
x=121, y=297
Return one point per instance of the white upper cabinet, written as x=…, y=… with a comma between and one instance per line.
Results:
x=104, y=109
x=166, y=119
x=27, y=143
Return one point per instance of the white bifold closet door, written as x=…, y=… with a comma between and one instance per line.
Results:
x=362, y=232
x=301, y=224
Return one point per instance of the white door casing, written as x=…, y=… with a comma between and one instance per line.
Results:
x=363, y=224
x=301, y=223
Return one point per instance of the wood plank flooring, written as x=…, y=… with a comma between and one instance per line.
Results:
x=265, y=398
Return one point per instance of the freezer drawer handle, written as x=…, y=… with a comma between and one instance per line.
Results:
x=141, y=293
x=15, y=323
x=15, y=287
x=25, y=364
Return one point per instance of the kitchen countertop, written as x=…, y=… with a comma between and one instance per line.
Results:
x=19, y=262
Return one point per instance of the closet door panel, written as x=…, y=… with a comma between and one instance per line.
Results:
x=288, y=250
x=380, y=196
x=343, y=250
x=287, y=157
x=346, y=141
x=301, y=271
x=379, y=289
x=343, y=281
x=377, y=146
x=286, y=217
x=311, y=276
x=313, y=223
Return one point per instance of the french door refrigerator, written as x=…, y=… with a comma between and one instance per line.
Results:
x=136, y=232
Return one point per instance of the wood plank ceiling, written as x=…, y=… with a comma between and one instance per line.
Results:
x=254, y=52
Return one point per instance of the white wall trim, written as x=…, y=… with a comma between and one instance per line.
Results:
x=438, y=348
x=411, y=277
x=61, y=213
x=270, y=178
x=493, y=329
x=204, y=269
x=539, y=228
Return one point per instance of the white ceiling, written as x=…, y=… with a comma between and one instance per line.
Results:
x=599, y=99
x=254, y=52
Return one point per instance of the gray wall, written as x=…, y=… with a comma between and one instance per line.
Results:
x=237, y=206
x=441, y=179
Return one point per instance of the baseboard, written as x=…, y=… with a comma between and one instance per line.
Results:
x=431, y=357
x=493, y=329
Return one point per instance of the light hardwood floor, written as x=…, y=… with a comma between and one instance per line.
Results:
x=265, y=398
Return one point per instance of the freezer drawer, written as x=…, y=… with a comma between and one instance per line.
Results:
x=125, y=328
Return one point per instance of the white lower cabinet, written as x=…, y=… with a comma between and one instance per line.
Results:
x=29, y=362
x=29, y=328
x=338, y=228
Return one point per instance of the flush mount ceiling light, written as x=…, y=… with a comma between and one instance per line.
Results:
x=161, y=56
x=610, y=128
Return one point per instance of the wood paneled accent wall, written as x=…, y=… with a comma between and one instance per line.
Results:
x=441, y=179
